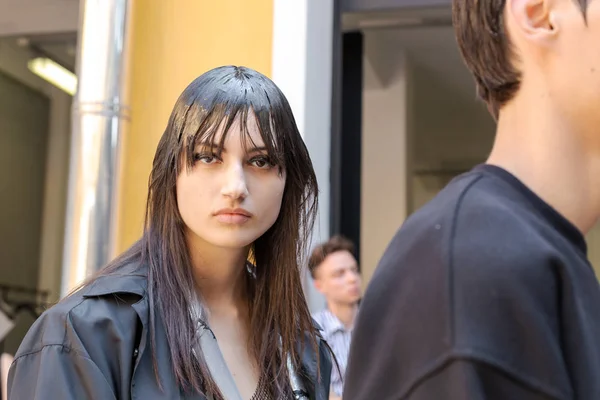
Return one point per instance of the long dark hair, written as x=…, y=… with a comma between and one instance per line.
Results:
x=278, y=311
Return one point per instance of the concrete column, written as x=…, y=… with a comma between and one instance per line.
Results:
x=385, y=153
x=99, y=117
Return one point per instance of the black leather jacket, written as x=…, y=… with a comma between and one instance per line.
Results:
x=95, y=345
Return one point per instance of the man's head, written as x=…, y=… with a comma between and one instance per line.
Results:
x=552, y=46
x=335, y=271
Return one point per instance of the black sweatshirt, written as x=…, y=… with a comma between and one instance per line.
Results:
x=484, y=293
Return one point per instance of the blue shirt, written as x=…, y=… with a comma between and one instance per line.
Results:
x=338, y=337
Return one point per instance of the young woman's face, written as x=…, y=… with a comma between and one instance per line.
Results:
x=232, y=199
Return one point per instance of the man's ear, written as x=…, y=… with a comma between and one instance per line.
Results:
x=532, y=19
x=318, y=284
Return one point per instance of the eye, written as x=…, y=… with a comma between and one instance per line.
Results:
x=262, y=162
x=205, y=158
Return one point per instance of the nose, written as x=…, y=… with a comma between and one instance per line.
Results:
x=353, y=277
x=235, y=186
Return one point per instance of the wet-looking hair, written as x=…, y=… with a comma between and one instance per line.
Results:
x=277, y=307
x=486, y=49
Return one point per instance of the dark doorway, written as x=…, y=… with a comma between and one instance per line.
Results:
x=24, y=115
x=346, y=147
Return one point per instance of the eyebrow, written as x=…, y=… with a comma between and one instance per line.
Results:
x=254, y=149
x=346, y=266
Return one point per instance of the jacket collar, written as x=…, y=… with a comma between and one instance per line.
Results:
x=132, y=278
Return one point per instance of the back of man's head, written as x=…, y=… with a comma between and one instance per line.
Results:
x=486, y=48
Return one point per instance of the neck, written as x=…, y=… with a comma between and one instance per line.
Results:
x=550, y=155
x=220, y=275
x=346, y=313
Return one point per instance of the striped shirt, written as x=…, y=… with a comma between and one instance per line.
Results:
x=338, y=337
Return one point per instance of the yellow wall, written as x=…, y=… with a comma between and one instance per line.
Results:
x=173, y=42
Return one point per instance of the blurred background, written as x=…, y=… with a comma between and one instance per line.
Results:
x=380, y=94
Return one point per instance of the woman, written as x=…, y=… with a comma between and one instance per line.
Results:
x=183, y=313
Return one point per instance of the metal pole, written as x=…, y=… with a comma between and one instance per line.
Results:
x=99, y=116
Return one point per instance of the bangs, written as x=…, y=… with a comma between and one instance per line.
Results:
x=209, y=119
x=217, y=124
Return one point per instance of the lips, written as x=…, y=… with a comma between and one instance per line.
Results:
x=235, y=216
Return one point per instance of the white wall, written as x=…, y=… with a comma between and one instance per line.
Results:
x=385, y=146
x=302, y=65
x=13, y=62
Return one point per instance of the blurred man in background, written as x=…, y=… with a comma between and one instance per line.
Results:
x=334, y=270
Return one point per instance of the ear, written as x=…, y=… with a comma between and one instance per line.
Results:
x=318, y=284
x=533, y=19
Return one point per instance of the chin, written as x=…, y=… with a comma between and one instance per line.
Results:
x=224, y=236
x=355, y=299
x=231, y=243
x=232, y=240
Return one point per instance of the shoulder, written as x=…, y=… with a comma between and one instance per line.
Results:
x=470, y=248
x=495, y=241
x=80, y=320
x=471, y=224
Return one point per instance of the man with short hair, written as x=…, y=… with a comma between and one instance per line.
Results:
x=487, y=291
x=334, y=270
